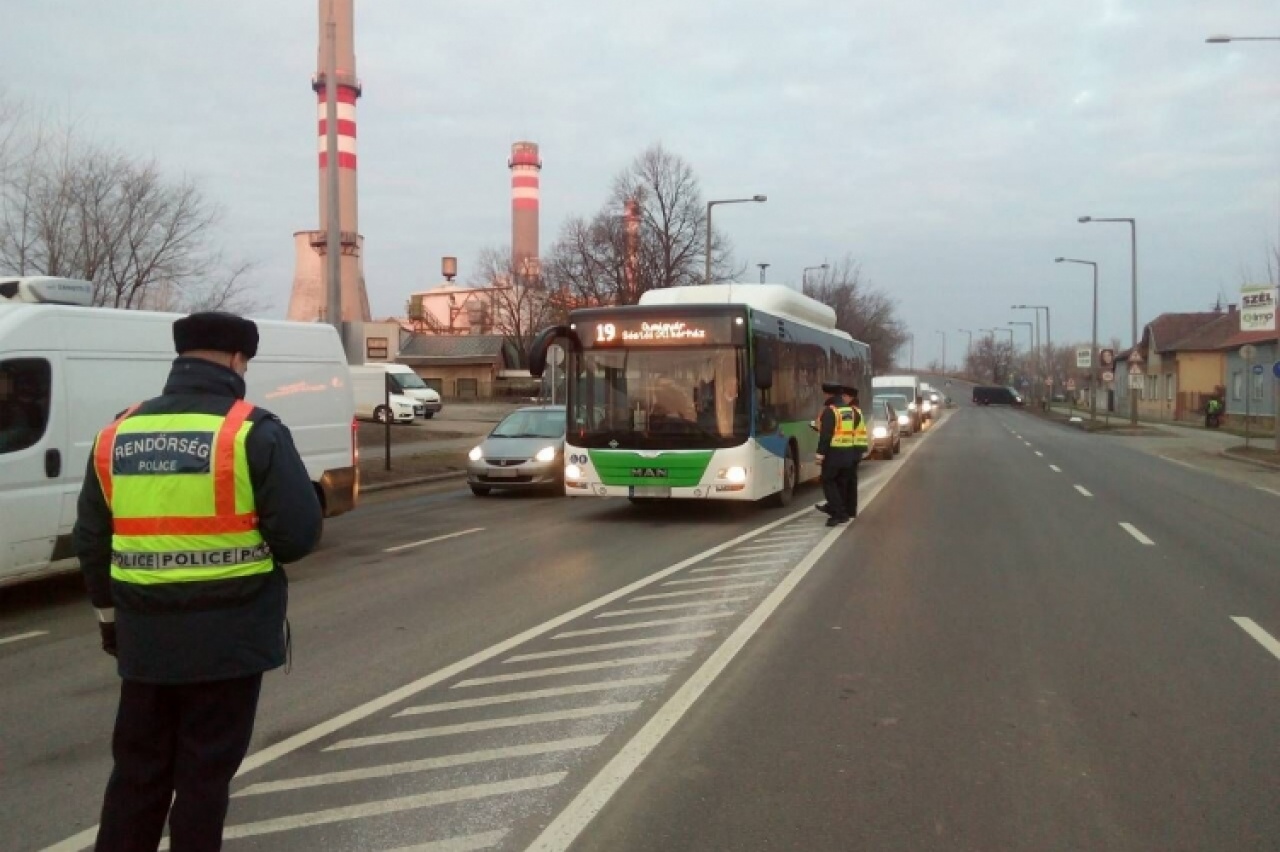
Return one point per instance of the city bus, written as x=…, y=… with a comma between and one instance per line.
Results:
x=703, y=392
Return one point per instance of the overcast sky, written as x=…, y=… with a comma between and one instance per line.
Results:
x=949, y=146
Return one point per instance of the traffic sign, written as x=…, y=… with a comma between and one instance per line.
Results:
x=1275, y=369
x=1248, y=352
x=1108, y=358
x=1071, y=384
x=1258, y=369
x=1084, y=358
x=1135, y=381
x=1109, y=376
x=1135, y=369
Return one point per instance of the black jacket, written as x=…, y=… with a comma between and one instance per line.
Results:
x=205, y=643
x=838, y=456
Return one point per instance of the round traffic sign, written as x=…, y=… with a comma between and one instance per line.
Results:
x=1108, y=376
x=1275, y=369
x=1257, y=369
x=1248, y=352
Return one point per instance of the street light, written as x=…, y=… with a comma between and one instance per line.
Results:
x=804, y=273
x=1222, y=39
x=968, y=350
x=1047, y=366
x=1031, y=344
x=758, y=199
x=763, y=267
x=944, y=349
x=1133, y=293
x=1093, y=358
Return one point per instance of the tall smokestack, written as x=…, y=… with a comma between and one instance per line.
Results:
x=525, y=165
x=310, y=298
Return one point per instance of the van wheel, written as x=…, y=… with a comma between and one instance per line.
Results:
x=381, y=414
x=480, y=490
x=790, y=473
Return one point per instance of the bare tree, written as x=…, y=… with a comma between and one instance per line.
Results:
x=990, y=358
x=80, y=210
x=866, y=313
x=521, y=303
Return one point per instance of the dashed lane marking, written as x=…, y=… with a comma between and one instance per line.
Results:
x=611, y=646
x=413, y=544
x=1040, y=454
x=1136, y=533
x=1180, y=463
x=1084, y=491
x=1264, y=638
x=21, y=636
x=533, y=695
x=1055, y=468
x=487, y=725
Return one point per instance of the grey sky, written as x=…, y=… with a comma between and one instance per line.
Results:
x=949, y=146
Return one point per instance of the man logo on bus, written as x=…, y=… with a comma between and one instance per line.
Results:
x=649, y=473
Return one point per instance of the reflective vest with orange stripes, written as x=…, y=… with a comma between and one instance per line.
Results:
x=181, y=498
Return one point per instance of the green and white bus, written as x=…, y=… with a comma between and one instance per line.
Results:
x=699, y=392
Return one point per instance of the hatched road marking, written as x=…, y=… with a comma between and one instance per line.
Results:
x=580, y=667
x=1264, y=638
x=1136, y=533
x=532, y=695
x=1084, y=491
x=470, y=843
x=641, y=610
x=610, y=646
x=1055, y=468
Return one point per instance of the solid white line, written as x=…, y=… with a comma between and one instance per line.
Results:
x=1264, y=638
x=1040, y=454
x=1055, y=468
x=19, y=637
x=643, y=625
x=400, y=547
x=723, y=577
x=532, y=695
x=1083, y=490
x=448, y=761
x=1268, y=490
x=610, y=646
x=1180, y=462
x=574, y=669
x=1136, y=533
x=469, y=843
x=642, y=610
x=747, y=562
x=486, y=725
x=570, y=822
x=691, y=593
x=391, y=806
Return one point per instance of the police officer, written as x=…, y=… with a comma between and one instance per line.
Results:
x=192, y=503
x=836, y=454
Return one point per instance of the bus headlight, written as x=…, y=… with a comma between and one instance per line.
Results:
x=546, y=454
x=572, y=471
x=880, y=432
x=733, y=474
x=476, y=454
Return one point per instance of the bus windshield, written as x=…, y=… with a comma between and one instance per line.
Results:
x=687, y=398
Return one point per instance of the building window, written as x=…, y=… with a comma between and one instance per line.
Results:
x=1258, y=383
x=1237, y=385
x=375, y=349
x=1168, y=387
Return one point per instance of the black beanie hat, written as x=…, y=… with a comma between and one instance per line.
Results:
x=217, y=331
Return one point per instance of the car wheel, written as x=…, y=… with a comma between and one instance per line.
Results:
x=480, y=490
x=381, y=414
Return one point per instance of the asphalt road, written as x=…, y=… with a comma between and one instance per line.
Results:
x=985, y=659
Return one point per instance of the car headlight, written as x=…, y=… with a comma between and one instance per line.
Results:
x=925, y=406
x=911, y=406
x=733, y=474
x=476, y=454
x=880, y=432
x=546, y=454
x=572, y=472
x=903, y=420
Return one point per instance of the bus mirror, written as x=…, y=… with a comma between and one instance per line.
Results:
x=542, y=343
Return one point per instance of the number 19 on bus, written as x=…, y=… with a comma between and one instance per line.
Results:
x=606, y=332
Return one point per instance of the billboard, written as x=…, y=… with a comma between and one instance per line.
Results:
x=1257, y=307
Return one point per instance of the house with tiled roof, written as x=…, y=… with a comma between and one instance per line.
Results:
x=1158, y=352
x=467, y=366
x=1249, y=390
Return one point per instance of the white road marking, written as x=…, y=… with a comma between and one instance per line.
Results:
x=643, y=610
x=1180, y=462
x=574, y=669
x=1040, y=454
x=777, y=548
x=644, y=625
x=469, y=843
x=1055, y=468
x=1264, y=638
x=806, y=535
x=1083, y=490
x=411, y=544
x=392, y=806
x=723, y=577
x=533, y=695
x=448, y=761
x=1268, y=490
x=1136, y=533
x=1028, y=443
x=610, y=646
x=19, y=637
x=692, y=592
x=747, y=562
x=487, y=725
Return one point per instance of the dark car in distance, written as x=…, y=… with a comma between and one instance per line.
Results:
x=996, y=395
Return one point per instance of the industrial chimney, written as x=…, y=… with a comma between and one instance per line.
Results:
x=309, y=298
x=525, y=165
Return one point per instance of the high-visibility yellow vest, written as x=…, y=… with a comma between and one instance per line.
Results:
x=181, y=498
x=861, y=440
x=850, y=429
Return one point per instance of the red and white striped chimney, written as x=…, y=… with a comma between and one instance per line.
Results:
x=525, y=165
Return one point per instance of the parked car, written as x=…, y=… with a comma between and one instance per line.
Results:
x=883, y=428
x=996, y=395
x=525, y=450
x=899, y=404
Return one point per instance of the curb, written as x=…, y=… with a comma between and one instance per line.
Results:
x=413, y=480
x=1228, y=454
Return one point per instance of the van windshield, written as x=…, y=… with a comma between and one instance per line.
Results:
x=409, y=381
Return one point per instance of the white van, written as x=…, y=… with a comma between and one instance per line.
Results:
x=376, y=398
x=908, y=386
x=66, y=371
x=405, y=381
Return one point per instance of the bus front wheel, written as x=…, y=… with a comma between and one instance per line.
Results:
x=790, y=474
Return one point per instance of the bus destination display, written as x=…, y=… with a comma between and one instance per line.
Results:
x=625, y=331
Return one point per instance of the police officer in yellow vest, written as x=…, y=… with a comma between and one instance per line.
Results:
x=842, y=439
x=192, y=503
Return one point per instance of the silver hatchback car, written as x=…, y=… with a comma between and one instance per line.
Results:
x=525, y=450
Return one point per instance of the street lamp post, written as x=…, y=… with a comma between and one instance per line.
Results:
x=763, y=267
x=804, y=274
x=758, y=199
x=1133, y=294
x=1048, y=338
x=1275, y=411
x=944, y=350
x=911, y=360
x=968, y=350
x=1031, y=327
x=1093, y=358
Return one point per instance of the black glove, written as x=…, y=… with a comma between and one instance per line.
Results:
x=108, y=631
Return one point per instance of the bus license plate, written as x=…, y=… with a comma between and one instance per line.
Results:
x=651, y=491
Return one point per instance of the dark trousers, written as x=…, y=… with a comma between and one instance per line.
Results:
x=851, y=488
x=835, y=487
x=179, y=743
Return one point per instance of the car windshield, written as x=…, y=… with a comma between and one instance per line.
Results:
x=410, y=381
x=543, y=423
x=661, y=399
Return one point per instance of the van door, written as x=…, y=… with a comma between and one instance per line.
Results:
x=33, y=424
